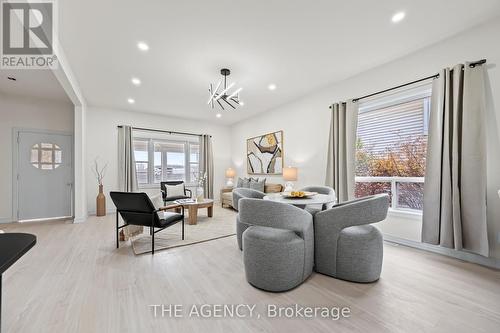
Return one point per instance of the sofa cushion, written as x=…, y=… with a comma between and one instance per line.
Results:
x=256, y=184
x=227, y=197
x=243, y=182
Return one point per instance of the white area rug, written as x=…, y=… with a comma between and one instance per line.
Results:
x=222, y=224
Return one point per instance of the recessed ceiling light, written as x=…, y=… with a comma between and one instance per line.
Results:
x=398, y=17
x=272, y=86
x=241, y=103
x=136, y=81
x=218, y=115
x=142, y=46
x=131, y=101
x=11, y=78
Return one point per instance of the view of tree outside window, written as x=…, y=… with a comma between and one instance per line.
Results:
x=391, y=150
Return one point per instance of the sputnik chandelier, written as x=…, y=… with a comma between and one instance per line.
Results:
x=222, y=95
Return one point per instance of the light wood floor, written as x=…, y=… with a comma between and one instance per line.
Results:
x=74, y=280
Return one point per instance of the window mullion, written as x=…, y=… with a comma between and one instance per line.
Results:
x=164, y=165
x=151, y=162
x=187, y=176
x=40, y=156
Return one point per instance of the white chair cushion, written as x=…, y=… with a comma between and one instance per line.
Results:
x=175, y=190
x=157, y=200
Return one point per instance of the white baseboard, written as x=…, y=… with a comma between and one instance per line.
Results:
x=7, y=219
x=461, y=255
x=79, y=219
x=108, y=212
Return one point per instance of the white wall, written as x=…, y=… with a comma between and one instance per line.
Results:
x=69, y=83
x=102, y=142
x=29, y=113
x=80, y=123
x=305, y=122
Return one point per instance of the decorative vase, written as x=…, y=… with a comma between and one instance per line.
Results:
x=199, y=193
x=101, y=202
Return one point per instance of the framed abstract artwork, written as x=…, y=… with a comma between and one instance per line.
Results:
x=265, y=154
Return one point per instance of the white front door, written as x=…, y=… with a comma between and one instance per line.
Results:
x=45, y=175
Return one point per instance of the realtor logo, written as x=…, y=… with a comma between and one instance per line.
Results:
x=27, y=34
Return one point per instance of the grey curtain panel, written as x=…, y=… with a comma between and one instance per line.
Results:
x=454, y=213
x=207, y=159
x=341, y=158
x=127, y=179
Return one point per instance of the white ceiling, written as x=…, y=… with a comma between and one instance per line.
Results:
x=298, y=45
x=32, y=83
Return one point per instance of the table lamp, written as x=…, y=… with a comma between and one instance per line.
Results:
x=289, y=175
x=230, y=173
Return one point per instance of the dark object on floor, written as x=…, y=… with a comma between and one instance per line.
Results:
x=12, y=247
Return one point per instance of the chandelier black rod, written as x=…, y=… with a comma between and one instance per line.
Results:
x=224, y=95
x=225, y=100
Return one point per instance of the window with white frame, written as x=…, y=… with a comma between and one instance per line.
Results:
x=165, y=158
x=46, y=156
x=392, y=146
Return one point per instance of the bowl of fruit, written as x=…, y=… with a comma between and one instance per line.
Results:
x=298, y=194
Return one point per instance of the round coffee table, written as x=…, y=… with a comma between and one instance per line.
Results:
x=193, y=207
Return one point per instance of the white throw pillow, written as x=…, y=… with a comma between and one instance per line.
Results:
x=175, y=190
x=157, y=200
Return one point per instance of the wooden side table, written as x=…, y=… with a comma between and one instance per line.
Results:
x=193, y=207
x=222, y=191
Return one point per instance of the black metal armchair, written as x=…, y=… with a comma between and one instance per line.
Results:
x=137, y=209
x=167, y=197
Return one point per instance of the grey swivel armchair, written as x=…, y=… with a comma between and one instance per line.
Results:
x=346, y=246
x=278, y=245
x=242, y=192
x=239, y=193
x=313, y=209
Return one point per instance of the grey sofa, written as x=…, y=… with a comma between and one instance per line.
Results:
x=346, y=246
x=226, y=194
x=278, y=244
x=313, y=209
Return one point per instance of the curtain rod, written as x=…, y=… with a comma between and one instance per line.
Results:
x=435, y=76
x=162, y=131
